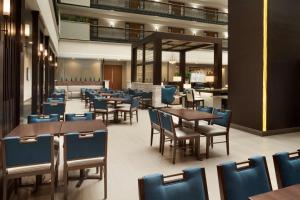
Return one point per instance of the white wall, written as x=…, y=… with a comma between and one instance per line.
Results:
x=115, y=51
x=75, y=30
x=78, y=2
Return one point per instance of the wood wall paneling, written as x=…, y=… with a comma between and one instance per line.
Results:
x=245, y=54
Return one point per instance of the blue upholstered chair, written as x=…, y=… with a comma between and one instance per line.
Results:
x=133, y=109
x=146, y=99
x=27, y=157
x=77, y=117
x=167, y=95
x=83, y=151
x=59, y=94
x=287, y=168
x=39, y=119
x=177, y=135
x=239, y=182
x=101, y=108
x=155, y=123
x=54, y=108
x=218, y=127
x=192, y=186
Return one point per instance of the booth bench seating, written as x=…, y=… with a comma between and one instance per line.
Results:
x=74, y=91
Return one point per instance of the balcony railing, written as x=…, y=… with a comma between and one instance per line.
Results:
x=126, y=35
x=163, y=9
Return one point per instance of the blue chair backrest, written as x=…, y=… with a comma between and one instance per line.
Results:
x=21, y=152
x=91, y=146
x=166, y=122
x=167, y=95
x=58, y=95
x=135, y=103
x=39, y=119
x=147, y=95
x=74, y=117
x=100, y=104
x=191, y=187
x=240, y=184
x=54, y=108
x=55, y=100
x=205, y=109
x=154, y=118
x=225, y=120
x=287, y=169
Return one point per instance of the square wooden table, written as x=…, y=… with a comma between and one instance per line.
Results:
x=288, y=193
x=82, y=126
x=190, y=115
x=35, y=129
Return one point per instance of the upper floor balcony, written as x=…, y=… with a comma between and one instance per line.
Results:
x=86, y=31
x=163, y=9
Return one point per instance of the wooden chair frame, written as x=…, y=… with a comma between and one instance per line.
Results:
x=6, y=176
x=173, y=137
x=142, y=188
x=223, y=192
x=82, y=167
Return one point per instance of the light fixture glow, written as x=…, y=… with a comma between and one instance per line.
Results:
x=50, y=58
x=27, y=30
x=6, y=7
x=55, y=64
x=156, y=27
x=41, y=47
x=265, y=67
x=225, y=35
x=112, y=23
x=45, y=53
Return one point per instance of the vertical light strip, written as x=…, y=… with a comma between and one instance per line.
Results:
x=265, y=66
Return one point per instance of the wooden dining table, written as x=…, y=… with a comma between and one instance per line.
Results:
x=57, y=128
x=288, y=193
x=189, y=115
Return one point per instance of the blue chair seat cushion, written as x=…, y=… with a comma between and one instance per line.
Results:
x=213, y=130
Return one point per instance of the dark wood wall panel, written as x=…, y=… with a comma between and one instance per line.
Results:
x=284, y=64
x=10, y=49
x=245, y=62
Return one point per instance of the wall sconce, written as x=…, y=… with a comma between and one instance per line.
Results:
x=50, y=58
x=6, y=7
x=41, y=48
x=45, y=53
x=27, y=30
x=55, y=64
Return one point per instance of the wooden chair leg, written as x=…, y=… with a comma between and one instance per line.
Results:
x=227, y=144
x=163, y=144
x=212, y=142
x=106, y=119
x=137, y=116
x=65, y=183
x=207, y=146
x=151, y=140
x=105, y=181
x=4, y=188
x=174, y=151
x=130, y=118
x=101, y=172
x=52, y=183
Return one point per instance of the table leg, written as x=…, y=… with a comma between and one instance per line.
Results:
x=180, y=121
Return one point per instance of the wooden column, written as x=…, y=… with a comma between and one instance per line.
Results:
x=47, y=67
x=218, y=65
x=35, y=62
x=157, y=62
x=133, y=64
x=41, y=74
x=182, y=65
